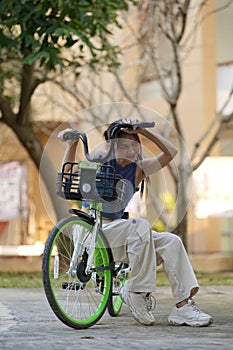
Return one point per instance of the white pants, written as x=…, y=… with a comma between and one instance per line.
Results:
x=134, y=242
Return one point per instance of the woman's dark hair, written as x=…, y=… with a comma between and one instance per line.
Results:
x=107, y=132
x=119, y=134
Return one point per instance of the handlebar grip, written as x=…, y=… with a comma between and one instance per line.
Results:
x=73, y=135
x=145, y=124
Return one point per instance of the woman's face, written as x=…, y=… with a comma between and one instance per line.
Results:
x=127, y=149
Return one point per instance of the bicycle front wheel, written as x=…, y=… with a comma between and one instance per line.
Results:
x=77, y=294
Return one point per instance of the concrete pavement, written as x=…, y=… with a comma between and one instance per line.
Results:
x=27, y=321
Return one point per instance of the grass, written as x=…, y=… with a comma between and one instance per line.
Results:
x=34, y=280
x=20, y=280
x=204, y=279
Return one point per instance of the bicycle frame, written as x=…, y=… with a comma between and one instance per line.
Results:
x=77, y=255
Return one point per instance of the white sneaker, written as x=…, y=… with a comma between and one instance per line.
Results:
x=140, y=304
x=189, y=315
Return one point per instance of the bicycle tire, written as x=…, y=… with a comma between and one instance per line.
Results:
x=118, y=280
x=77, y=303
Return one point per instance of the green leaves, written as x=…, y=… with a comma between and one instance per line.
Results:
x=42, y=29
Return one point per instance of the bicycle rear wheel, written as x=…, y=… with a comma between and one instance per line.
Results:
x=77, y=296
x=120, y=275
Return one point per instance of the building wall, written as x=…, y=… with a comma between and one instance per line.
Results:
x=33, y=229
x=196, y=107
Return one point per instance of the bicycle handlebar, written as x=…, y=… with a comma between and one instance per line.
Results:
x=75, y=135
x=122, y=125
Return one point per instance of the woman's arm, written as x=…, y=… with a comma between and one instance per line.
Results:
x=69, y=155
x=168, y=152
x=70, y=152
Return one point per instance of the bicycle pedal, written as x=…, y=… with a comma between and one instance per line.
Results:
x=71, y=286
x=98, y=290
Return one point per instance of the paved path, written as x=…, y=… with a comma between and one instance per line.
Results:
x=27, y=322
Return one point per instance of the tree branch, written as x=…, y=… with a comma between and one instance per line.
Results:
x=28, y=87
x=5, y=109
x=218, y=118
x=183, y=11
x=208, y=148
x=213, y=141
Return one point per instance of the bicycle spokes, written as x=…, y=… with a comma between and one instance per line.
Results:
x=78, y=293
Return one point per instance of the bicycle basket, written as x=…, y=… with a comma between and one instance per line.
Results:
x=90, y=181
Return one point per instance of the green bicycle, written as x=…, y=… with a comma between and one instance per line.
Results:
x=80, y=277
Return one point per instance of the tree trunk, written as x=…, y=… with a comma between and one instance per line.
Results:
x=181, y=230
x=32, y=144
x=182, y=198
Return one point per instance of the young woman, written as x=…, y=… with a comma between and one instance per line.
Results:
x=133, y=241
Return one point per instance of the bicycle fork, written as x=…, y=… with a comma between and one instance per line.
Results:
x=80, y=237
